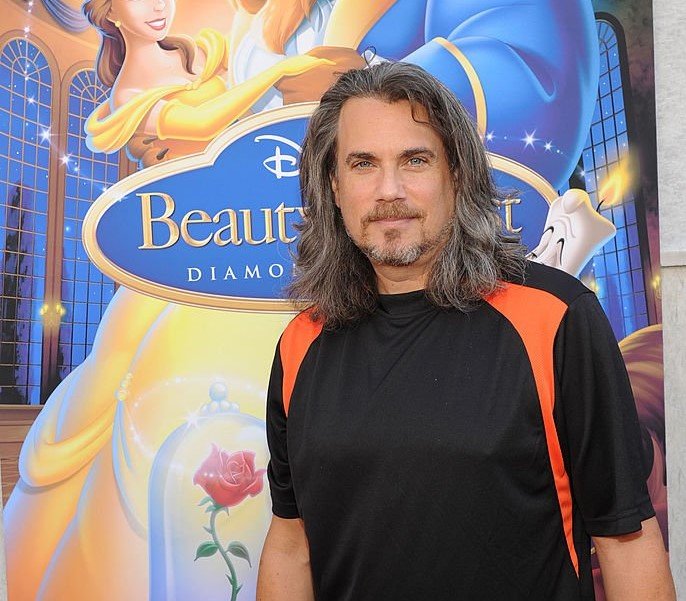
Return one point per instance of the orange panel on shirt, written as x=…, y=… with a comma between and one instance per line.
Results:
x=536, y=315
x=295, y=342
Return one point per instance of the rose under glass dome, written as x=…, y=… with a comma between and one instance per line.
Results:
x=209, y=505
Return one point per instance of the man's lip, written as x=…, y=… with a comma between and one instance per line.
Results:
x=393, y=220
x=158, y=24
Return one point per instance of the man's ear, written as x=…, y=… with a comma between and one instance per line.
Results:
x=334, y=188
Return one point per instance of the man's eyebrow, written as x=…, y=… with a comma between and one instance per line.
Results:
x=410, y=152
x=359, y=155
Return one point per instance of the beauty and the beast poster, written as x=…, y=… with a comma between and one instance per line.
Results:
x=148, y=187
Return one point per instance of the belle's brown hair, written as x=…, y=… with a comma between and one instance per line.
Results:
x=332, y=274
x=112, y=48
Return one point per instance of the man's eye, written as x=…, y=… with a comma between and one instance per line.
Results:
x=362, y=165
x=416, y=161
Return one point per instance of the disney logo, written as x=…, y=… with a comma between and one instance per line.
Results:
x=276, y=162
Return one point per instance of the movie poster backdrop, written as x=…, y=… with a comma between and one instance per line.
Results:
x=149, y=157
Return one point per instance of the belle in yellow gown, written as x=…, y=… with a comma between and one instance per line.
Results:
x=77, y=522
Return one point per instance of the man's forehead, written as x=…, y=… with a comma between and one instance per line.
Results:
x=373, y=121
x=358, y=108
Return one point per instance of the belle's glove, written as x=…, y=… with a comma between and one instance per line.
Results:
x=572, y=234
x=203, y=122
x=296, y=65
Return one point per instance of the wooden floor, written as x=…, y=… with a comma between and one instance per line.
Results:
x=15, y=421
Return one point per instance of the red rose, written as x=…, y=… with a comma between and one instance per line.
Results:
x=229, y=477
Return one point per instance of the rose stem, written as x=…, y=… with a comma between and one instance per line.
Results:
x=225, y=555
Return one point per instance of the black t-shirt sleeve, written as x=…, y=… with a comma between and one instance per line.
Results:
x=600, y=433
x=279, y=471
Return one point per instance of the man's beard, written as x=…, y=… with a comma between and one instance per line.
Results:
x=397, y=254
x=393, y=253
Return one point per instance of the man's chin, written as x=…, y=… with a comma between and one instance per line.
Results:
x=393, y=257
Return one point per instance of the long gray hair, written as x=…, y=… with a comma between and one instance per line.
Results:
x=333, y=276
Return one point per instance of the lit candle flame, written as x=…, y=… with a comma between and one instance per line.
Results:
x=618, y=181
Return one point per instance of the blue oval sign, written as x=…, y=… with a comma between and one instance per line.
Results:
x=212, y=229
x=215, y=229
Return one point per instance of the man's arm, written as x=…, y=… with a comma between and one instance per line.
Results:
x=284, y=573
x=635, y=566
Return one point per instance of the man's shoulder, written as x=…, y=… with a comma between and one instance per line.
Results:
x=302, y=330
x=554, y=282
x=537, y=306
x=295, y=342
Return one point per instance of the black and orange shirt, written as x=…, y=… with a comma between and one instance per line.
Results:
x=439, y=455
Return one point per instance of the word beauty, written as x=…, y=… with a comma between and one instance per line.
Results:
x=236, y=226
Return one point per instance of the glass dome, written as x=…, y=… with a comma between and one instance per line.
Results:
x=209, y=506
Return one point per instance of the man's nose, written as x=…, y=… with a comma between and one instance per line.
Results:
x=391, y=185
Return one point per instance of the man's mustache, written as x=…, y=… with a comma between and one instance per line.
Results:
x=391, y=211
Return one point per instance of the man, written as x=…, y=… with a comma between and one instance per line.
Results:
x=446, y=421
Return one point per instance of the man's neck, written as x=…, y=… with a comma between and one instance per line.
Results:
x=396, y=280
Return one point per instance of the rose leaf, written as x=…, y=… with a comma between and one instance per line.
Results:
x=205, y=550
x=239, y=550
x=207, y=499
